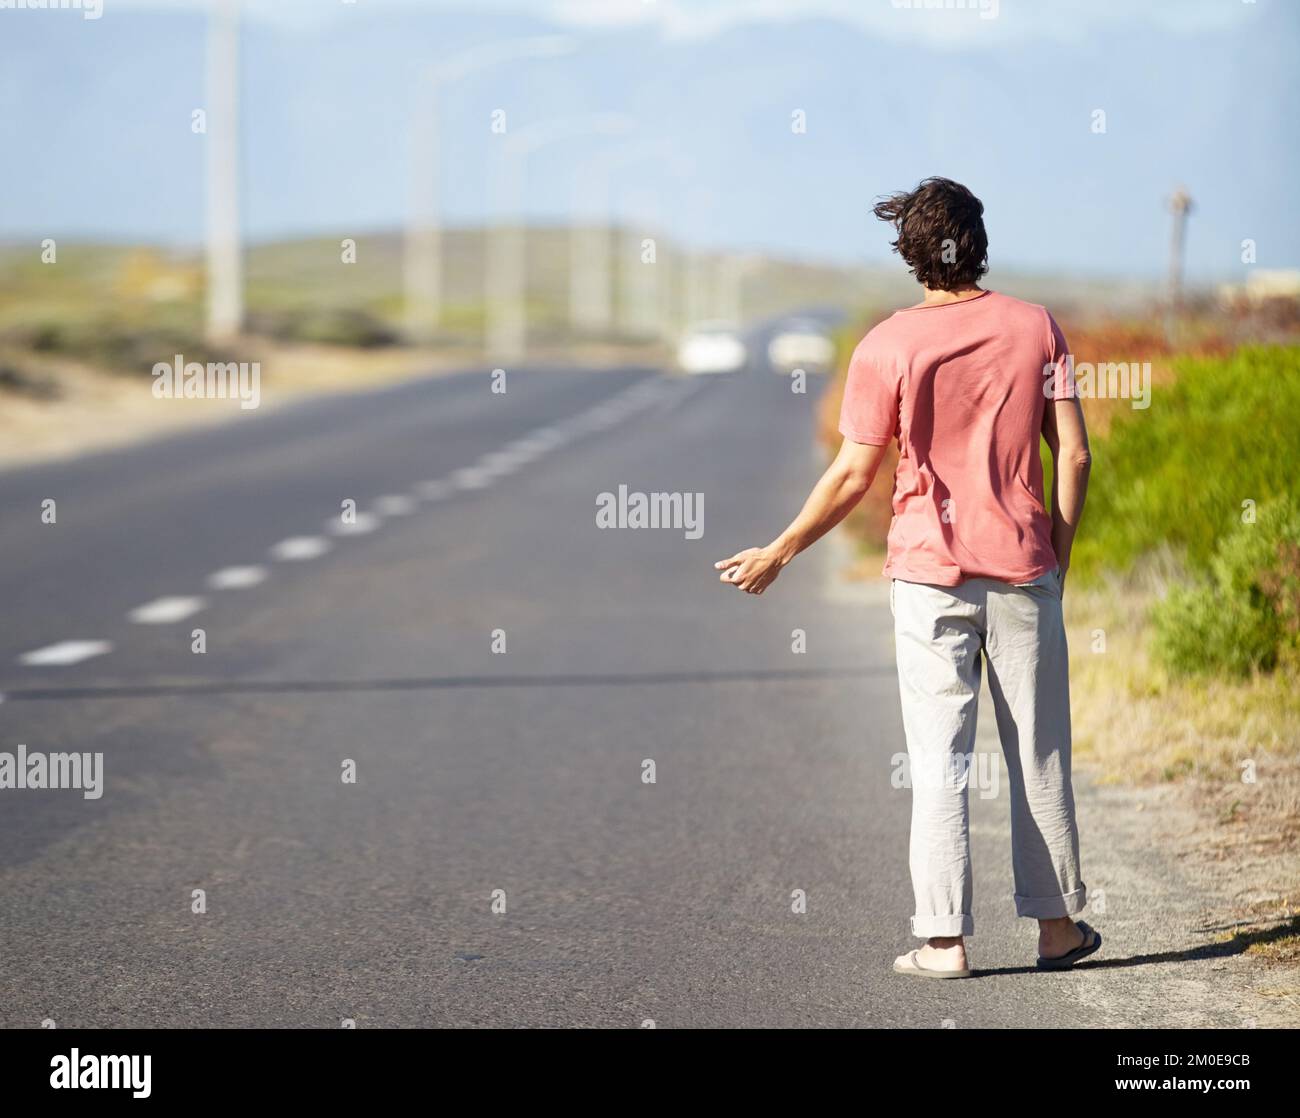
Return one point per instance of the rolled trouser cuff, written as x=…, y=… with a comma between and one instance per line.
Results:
x=1051, y=908
x=927, y=926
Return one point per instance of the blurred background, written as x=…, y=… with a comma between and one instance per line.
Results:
x=356, y=194
x=507, y=171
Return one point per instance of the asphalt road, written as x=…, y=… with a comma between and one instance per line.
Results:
x=477, y=771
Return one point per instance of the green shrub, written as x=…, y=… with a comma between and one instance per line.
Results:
x=1245, y=616
x=1176, y=473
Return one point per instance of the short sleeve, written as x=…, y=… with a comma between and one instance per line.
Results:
x=869, y=410
x=1058, y=372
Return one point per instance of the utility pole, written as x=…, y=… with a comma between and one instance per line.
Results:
x=225, y=273
x=1180, y=205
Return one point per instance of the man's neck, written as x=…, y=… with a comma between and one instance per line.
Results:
x=936, y=296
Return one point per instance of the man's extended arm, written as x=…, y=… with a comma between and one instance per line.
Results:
x=833, y=497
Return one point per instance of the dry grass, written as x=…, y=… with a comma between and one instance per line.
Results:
x=1270, y=940
x=1282, y=949
x=1232, y=747
x=1137, y=724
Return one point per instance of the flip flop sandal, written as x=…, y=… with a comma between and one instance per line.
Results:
x=912, y=967
x=1091, y=941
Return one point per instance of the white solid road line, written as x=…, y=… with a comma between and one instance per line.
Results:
x=236, y=578
x=164, y=611
x=297, y=548
x=64, y=653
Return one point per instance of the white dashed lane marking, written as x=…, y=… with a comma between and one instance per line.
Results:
x=549, y=437
x=470, y=478
x=434, y=490
x=164, y=611
x=394, y=505
x=236, y=578
x=360, y=525
x=498, y=463
x=297, y=548
x=521, y=452
x=64, y=653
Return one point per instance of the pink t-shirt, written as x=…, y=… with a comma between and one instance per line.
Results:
x=961, y=387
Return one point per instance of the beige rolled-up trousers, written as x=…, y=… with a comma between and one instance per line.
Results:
x=943, y=635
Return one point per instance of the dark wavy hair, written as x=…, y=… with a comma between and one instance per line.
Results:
x=941, y=234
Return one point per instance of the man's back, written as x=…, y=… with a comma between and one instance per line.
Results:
x=960, y=385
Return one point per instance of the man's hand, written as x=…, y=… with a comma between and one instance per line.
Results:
x=752, y=570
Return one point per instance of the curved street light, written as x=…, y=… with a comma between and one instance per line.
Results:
x=506, y=328
x=422, y=242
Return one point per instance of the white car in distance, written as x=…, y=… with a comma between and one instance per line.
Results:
x=712, y=347
x=800, y=345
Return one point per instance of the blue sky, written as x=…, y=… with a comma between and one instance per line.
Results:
x=1203, y=93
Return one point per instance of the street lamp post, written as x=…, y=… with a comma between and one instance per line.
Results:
x=590, y=282
x=224, y=317
x=422, y=245
x=506, y=257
